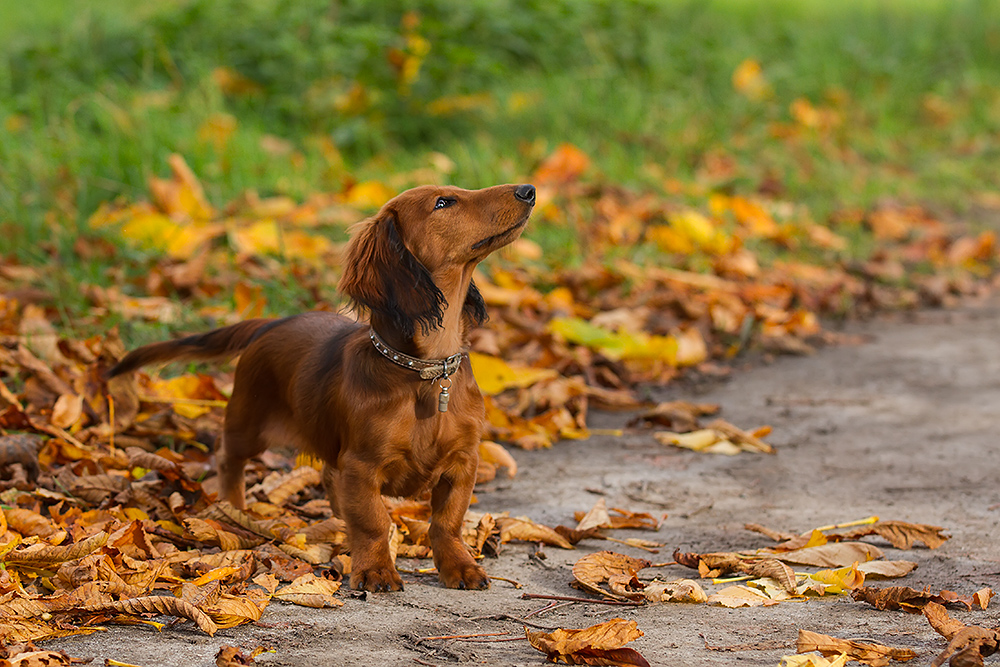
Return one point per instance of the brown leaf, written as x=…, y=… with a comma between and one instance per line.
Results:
x=740, y=596
x=597, y=517
x=875, y=655
x=44, y=555
x=37, y=659
x=679, y=590
x=769, y=567
x=597, y=645
x=529, y=531
x=140, y=458
x=740, y=437
x=27, y=522
x=680, y=416
x=594, y=569
x=839, y=554
x=228, y=611
x=969, y=646
x=905, y=598
x=939, y=619
x=159, y=604
x=292, y=483
x=899, y=534
x=21, y=448
x=310, y=591
x=723, y=563
x=230, y=656
x=982, y=597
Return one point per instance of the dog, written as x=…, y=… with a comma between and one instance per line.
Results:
x=390, y=406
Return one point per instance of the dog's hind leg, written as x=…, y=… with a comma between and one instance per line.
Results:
x=234, y=451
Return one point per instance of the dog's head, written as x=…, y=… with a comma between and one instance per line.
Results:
x=430, y=231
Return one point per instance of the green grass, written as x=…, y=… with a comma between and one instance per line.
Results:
x=94, y=95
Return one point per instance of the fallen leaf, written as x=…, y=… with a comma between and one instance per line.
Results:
x=310, y=591
x=597, y=517
x=528, y=531
x=875, y=655
x=600, y=644
x=594, y=569
x=740, y=596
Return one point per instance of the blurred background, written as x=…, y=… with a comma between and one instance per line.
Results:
x=826, y=107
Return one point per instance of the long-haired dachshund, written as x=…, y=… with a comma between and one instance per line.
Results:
x=389, y=406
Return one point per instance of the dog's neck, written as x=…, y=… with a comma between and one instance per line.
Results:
x=440, y=342
x=449, y=338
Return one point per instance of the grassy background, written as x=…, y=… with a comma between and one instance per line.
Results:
x=95, y=94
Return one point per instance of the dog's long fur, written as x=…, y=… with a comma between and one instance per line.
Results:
x=317, y=381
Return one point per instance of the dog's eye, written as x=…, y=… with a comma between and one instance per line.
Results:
x=443, y=202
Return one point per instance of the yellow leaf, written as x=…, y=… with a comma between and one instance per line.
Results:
x=748, y=80
x=494, y=375
x=259, y=238
x=181, y=196
x=701, y=232
x=368, y=195
x=616, y=346
x=300, y=245
x=197, y=387
x=840, y=580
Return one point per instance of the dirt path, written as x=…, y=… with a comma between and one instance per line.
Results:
x=904, y=426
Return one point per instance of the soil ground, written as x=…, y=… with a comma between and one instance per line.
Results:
x=903, y=425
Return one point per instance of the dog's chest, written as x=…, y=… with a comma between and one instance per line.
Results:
x=439, y=445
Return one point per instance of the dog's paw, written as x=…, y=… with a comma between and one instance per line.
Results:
x=464, y=575
x=376, y=579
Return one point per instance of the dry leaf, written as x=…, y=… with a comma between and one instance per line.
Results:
x=740, y=596
x=840, y=554
x=939, y=619
x=597, y=517
x=158, y=604
x=597, y=645
x=310, y=591
x=292, y=483
x=679, y=590
x=900, y=534
x=528, y=531
x=593, y=570
x=813, y=660
x=875, y=655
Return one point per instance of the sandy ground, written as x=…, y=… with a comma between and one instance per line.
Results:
x=903, y=426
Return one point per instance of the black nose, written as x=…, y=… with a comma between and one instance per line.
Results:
x=525, y=193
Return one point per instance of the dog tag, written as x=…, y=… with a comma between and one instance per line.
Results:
x=443, y=400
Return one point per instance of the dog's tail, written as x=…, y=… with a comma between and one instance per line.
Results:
x=216, y=344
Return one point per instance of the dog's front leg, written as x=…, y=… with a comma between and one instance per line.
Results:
x=358, y=500
x=449, y=502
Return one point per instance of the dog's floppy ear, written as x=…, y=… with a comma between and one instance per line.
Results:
x=383, y=277
x=474, y=308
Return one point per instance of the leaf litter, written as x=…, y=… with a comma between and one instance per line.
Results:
x=102, y=521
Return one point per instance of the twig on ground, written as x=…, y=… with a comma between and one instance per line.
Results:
x=513, y=583
x=509, y=617
x=619, y=603
x=484, y=634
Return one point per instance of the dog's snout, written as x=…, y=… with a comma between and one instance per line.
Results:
x=525, y=193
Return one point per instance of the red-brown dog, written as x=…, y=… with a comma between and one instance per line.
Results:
x=390, y=407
